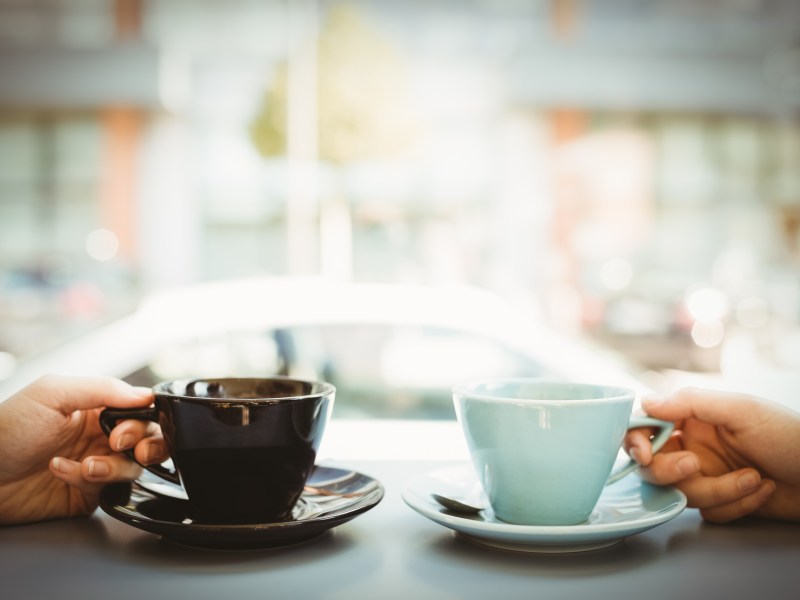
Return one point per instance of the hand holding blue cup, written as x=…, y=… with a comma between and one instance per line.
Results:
x=544, y=450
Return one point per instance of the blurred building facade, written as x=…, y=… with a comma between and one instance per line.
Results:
x=631, y=170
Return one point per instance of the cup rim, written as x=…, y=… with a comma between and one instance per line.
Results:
x=325, y=389
x=468, y=390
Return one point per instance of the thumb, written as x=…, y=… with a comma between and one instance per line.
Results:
x=68, y=394
x=723, y=409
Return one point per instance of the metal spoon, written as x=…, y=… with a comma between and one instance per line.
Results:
x=457, y=505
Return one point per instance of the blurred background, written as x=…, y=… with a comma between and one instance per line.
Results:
x=627, y=172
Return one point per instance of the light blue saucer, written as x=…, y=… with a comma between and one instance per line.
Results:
x=625, y=508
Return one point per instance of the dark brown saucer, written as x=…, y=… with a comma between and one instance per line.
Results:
x=332, y=496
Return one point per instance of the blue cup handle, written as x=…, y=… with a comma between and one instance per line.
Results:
x=665, y=427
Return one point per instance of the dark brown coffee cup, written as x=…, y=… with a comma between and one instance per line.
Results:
x=242, y=448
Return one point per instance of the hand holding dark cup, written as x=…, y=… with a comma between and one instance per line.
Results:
x=242, y=448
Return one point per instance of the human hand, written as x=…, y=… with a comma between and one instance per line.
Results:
x=54, y=457
x=732, y=455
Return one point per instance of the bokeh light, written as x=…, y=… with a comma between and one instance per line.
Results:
x=616, y=274
x=708, y=334
x=706, y=303
x=102, y=245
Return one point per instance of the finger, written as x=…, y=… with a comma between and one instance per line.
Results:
x=68, y=394
x=638, y=446
x=129, y=433
x=671, y=467
x=113, y=467
x=69, y=471
x=151, y=450
x=717, y=408
x=709, y=492
x=742, y=507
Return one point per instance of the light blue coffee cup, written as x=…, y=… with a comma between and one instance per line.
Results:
x=544, y=450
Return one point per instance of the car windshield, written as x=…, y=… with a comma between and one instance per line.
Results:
x=380, y=371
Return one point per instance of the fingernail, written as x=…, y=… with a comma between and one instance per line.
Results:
x=747, y=482
x=635, y=454
x=141, y=391
x=154, y=454
x=61, y=465
x=653, y=400
x=98, y=468
x=687, y=466
x=124, y=441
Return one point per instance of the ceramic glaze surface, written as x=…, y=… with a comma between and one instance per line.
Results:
x=543, y=451
x=624, y=509
x=243, y=448
x=331, y=497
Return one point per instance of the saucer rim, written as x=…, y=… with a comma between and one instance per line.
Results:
x=344, y=513
x=532, y=535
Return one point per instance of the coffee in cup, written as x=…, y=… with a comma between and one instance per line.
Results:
x=243, y=448
x=543, y=450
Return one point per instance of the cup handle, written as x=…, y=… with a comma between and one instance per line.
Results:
x=666, y=428
x=108, y=420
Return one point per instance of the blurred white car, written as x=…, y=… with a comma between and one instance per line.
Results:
x=391, y=350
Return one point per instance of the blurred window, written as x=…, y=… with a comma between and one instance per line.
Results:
x=380, y=371
x=50, y=171
x=49, y=180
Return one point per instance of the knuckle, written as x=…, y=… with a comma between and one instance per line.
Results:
x=46, y=382
x=111, y=385
x=661, y=470
x=715, y=516
x=718, y=492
